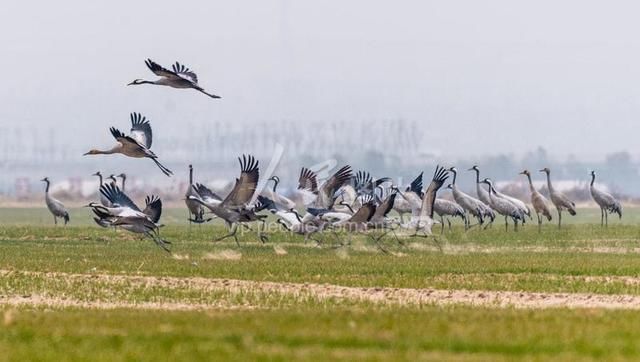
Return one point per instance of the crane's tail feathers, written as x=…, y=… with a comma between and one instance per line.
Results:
x=66, y=218
x=164, y=170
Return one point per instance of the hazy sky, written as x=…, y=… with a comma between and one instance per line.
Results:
x=483, y=76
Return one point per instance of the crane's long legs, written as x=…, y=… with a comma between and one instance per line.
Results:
x=466, y=221
x=601, y=217
x=232, y=233
x=606, y=218
x=559, y=219
x=441, y=224
x=506, y=224
x=55, y=220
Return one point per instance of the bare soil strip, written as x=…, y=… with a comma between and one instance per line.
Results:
x=382, y=296
x=471, y=248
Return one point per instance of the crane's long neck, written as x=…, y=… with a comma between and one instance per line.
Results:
x=593, y=178
x=100, y=177
x=190, y=175
x=46, y=189
x=275, y=184
x=124, y=180
x=549, y=182
x=455, y=173
x=144, y=82
x=116, y=149
x=477, y=175
x=530, y=182
x=492, y=190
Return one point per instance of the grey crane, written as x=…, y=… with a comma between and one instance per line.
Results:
x=234, y=209
x=137, y=144
x=606, y=202
x=559, y=200
x=55, y=207
x=519, y=203
x=483, y=195
x=196, y=210
x=539, y=202
x=504, y=206
x=127, y=215
x=470, y=204
x=444, y=208
x=179, y=77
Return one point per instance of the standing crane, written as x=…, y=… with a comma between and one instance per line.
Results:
x=444, y=208
x=470, y=204
x=483, y=195
x=539, y=202
x=504, y=206
x=55, y=207
x=558, y=199
x=607, y=203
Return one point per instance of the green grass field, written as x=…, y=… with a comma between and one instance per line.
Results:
x=85, y=293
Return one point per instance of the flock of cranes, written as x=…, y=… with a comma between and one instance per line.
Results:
x=356, y=203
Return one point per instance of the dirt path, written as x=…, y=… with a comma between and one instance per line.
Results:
x=383, y=296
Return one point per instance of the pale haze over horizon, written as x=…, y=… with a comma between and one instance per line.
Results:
x=482, y=77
